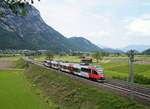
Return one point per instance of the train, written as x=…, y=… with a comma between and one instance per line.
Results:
x=91, y=72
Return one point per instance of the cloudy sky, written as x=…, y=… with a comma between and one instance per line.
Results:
x=111, y=23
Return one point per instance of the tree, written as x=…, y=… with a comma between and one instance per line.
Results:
x=38, y=53
x=14, y=5
x=62, y=54
x=118, y=54
x=50, y=55
x=97, y=55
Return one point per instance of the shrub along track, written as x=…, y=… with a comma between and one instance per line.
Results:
x=130, y=91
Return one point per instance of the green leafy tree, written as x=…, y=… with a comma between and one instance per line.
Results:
x=38, y=53
x=14, y=5
x=62, y=54
x=98, y=55
x=49, y=55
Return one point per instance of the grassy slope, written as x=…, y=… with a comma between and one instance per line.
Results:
x=63, y=93
x=16, y=92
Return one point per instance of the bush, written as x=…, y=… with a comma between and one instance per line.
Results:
x=141, y=79
x=21, y=64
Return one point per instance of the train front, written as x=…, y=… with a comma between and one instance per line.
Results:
x=100, y=72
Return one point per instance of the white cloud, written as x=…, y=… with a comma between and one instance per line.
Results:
x=71, y=18
x=140, y=27
x=94, y=19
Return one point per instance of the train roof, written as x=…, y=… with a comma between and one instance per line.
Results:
x=62, y=63
x=95, y=67
x=75, y=65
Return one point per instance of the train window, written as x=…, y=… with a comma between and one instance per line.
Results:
x=88, y=70
x=94, y=72
x=65, y=67
x=70, y=68
x=76, y=69
x=85, y=70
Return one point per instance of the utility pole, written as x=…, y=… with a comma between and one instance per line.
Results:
x=131, y=75
x=131, y=57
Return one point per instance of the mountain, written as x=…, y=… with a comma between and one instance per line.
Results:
x=82, y=44
x=31, y=32
x=111, y=50
x=139, y=48
x=146, y=51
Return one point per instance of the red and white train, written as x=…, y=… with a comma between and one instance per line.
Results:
x=91, y=72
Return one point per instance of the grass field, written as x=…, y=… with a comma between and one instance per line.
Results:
x=64, y=93
x=76, y=59
x=117, y=70
x=9, y=56
x=15, y=92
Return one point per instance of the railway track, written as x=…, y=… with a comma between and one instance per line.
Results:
x=125, y=89
x=127, y=85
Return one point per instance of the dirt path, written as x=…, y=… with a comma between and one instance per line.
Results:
x=143, y=62
x=6, y=64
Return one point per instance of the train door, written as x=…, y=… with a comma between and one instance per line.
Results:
x=76, y=70
x=84, y=72
x=70, y=68
x=94, y=74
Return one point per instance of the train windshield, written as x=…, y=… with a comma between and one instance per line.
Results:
x=100, y=71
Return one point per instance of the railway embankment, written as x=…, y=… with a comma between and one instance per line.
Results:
x=61, y=92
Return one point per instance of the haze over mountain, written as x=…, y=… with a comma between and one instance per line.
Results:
x=147, y=51
x=139, y=48
x=31, y=32
x=110, y=50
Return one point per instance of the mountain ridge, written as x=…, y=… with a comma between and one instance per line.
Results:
x=34, y=31
x=83, y=44
x=139, y=48
x=31, y=32
x=147, y=51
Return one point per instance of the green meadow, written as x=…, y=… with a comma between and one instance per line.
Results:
x=16, y=92
x=10, y=56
